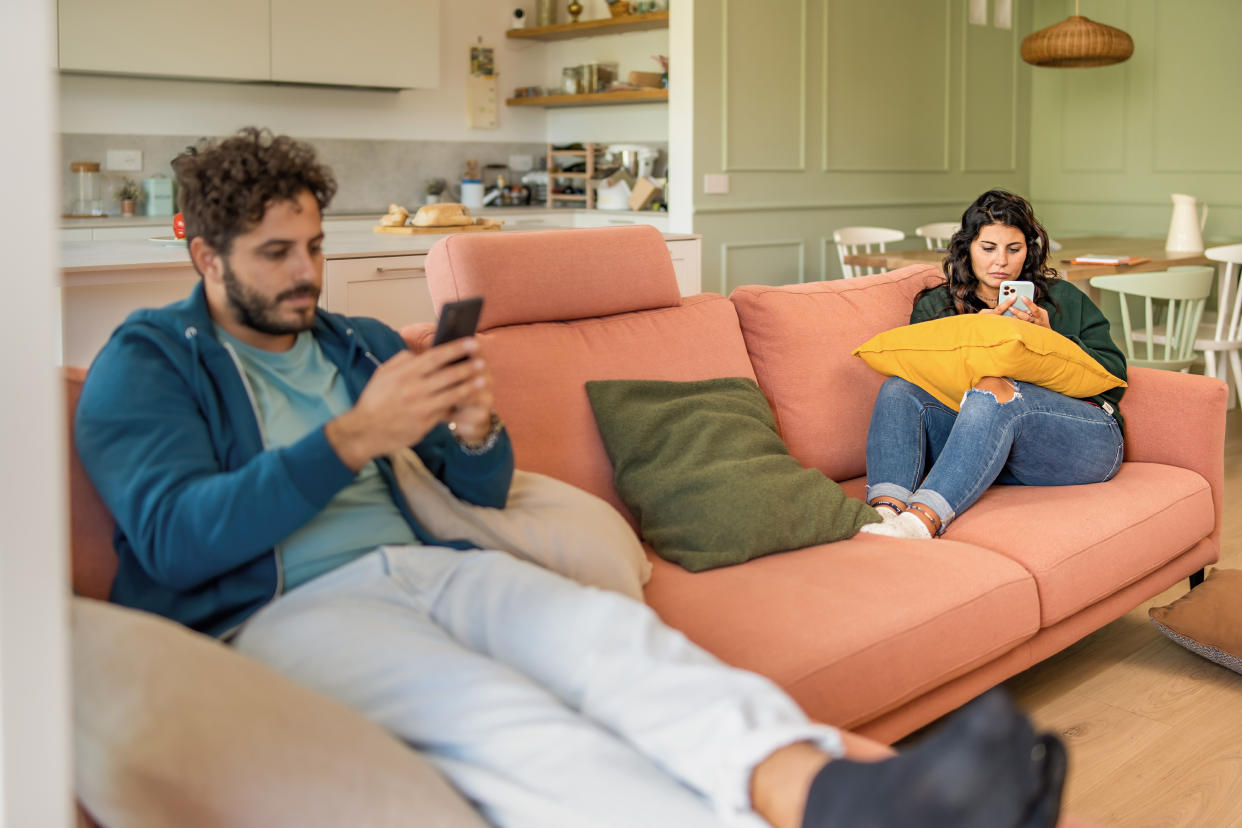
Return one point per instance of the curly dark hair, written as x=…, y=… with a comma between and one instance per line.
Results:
x=227, y=185
x=995, y=207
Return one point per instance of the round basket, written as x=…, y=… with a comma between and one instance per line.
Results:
x=1077, y=42
x=620, y=8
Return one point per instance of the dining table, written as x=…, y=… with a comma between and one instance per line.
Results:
x=1152, y=250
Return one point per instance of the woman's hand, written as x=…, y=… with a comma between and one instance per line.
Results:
x=1035, y=314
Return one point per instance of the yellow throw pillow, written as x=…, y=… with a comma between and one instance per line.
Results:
x=947, y=356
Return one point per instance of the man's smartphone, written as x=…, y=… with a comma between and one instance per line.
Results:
x=458, y=319
x=1010, y=288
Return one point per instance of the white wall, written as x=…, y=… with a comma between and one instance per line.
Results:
x=133, y=106
x=35, y=788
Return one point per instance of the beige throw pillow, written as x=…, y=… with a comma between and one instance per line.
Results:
x=545, y=521
x=172, y=727
x=1208, y=619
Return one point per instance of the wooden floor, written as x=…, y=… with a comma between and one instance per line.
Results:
x=1154, y=731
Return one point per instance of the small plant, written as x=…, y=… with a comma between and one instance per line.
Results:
x=129, y=190
x=434, y=186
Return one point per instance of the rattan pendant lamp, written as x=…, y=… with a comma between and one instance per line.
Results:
x=1077, y=42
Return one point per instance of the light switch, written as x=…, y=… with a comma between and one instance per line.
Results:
x=716, y=184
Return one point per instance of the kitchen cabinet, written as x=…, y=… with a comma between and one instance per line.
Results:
x=392, y=289
x=687, y=264
x=603, y=218
x=391, y=44
x=384, y=43
x=224, y=39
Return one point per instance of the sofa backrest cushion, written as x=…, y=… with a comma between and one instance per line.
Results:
x=800, y=339
x=540, y=373
x=554, y=274
x=540, y=367
x=90, y=524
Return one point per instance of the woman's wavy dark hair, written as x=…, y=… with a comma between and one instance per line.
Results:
x=227, y=185
x=994, y=207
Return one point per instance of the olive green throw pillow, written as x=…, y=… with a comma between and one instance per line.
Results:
x=702, y=467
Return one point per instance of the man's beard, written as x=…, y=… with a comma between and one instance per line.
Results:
x=254, y=310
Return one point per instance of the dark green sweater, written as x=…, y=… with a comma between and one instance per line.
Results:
x=1075, y=318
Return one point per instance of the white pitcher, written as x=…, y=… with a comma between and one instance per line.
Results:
x=1186, y=227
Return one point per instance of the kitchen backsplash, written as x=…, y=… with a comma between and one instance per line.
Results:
x=369, y=174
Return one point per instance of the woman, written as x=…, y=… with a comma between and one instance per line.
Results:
x=926, y=463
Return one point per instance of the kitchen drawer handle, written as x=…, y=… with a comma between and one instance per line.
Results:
x=390, y=271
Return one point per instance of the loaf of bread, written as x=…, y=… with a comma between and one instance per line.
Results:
x=396, y=217
x=448, y=214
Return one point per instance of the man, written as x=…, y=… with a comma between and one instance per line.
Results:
x=239, y=439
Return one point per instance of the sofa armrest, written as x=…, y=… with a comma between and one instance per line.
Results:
x=1178, y=419
x=418, y=335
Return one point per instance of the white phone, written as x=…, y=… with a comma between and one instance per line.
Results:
x=1021, y=288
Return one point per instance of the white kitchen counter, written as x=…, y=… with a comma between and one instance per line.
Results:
x=366, y=274
x=80, y=258
x=109, y=228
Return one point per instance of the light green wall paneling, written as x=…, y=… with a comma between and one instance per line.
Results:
x=1093, y=120
x=1093, y=106
x=764, y=100
x=886, y=69
x=892, y=124
x=1200, y=119
x=990, y=98
x=1110, y=144
x=768, y=262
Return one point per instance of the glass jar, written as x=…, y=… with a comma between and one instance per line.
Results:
x=87, y=196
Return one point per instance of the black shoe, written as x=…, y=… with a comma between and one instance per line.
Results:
x=985, y=768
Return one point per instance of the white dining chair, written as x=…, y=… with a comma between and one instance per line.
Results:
x=938, y=233
x=1173, y=303
x=852, y=241
x=1220, y=339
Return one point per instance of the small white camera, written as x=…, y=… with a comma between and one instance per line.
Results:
x=519, y=19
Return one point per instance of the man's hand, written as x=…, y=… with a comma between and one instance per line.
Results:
x=409, y=395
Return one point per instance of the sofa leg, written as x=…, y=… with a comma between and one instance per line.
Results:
x=1196, y=578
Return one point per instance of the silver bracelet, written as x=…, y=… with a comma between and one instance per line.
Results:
x=483, y=446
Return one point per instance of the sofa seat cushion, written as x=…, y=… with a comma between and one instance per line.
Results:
x=1113, y=535
x=540, y=373
x=856, y=628
x=801, y=340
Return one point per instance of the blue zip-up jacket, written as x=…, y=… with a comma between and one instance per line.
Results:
x=169, y=435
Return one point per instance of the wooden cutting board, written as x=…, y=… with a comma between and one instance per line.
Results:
x=409, y=229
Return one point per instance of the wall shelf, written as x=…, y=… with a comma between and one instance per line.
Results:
x=589, y=28
x=620, y=96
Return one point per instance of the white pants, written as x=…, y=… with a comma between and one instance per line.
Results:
x=544, y=702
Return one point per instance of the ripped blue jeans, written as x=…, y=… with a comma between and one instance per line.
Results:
x=921, y=451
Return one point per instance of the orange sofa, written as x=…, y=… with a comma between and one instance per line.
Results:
x=878, y=635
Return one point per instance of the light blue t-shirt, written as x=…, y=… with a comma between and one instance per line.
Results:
x=296, y=392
